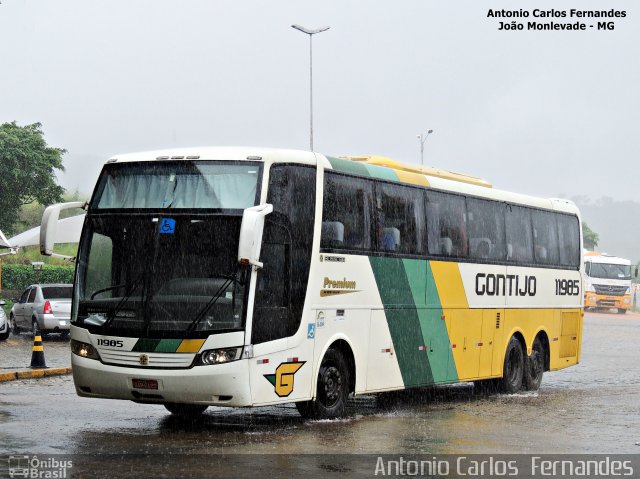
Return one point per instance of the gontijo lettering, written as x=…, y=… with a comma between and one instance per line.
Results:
x=505, y=285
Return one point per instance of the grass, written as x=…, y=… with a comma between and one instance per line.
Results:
x=29, y=254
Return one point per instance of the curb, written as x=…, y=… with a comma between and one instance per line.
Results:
x=33, y=373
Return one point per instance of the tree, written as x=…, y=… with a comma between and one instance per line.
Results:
x=27, y=167
x=589, y=237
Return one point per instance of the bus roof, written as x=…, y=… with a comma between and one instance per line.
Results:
x=424, y=170
x=405, y=172
x=224, y=153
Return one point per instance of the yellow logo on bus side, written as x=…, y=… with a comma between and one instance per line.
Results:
x=283, y=378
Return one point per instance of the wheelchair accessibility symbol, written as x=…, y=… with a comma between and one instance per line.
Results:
x=167, y=226
x=311, y=331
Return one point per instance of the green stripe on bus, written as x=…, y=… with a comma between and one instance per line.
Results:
x=402, y=318
x=146, y=345
x=168, y=345
x=440, y=355
x=381, y=172
x=435, y=336
x=362, y=169
x=348, y=166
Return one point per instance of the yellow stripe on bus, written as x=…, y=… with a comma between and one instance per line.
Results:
x=190, y=345
x=449, y=284
x=411, y=178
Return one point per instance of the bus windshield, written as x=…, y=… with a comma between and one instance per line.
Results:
x=138, y=278
x=178, y=185
x=610, y=271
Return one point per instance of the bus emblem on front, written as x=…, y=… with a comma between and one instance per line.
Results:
x=144, y=359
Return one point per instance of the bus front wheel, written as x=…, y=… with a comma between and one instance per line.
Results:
x=332, y=389
x=513, y=370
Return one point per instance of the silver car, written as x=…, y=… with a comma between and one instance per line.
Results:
x=4, y=323
x=43, y=309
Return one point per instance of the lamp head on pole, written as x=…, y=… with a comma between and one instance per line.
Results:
x=310, y=31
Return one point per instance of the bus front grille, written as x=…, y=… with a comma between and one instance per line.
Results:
x=147, y=360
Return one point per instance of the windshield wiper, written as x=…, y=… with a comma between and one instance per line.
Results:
x=231, y=279
x=104, y=290
x=133, y=285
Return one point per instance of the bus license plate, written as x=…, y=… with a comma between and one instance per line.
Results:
x=145, y=383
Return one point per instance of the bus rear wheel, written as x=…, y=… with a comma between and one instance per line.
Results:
x=534, y=367
x=185, y=410
x=332, y=389
x=513, y=370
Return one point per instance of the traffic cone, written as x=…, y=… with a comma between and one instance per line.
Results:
x=37, y=357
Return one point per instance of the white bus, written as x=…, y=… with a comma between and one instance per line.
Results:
x=248, y=277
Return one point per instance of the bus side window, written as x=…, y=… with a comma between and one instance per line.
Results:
x=400, y=219
x=519, y=234
x=447, y=225
x=545, y=237
x=333, y=234
x=569, y=240
x=486, y=229
x=346, y=217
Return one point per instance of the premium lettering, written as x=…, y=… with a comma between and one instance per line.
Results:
x=339, y=284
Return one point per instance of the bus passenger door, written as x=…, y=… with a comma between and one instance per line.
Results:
x=281, y=336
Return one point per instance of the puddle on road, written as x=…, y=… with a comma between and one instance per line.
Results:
x=585, y=409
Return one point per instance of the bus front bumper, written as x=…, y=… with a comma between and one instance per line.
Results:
x=219, y=385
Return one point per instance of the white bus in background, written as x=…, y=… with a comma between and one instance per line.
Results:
x=607, y=282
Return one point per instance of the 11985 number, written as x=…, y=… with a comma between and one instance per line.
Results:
x=567, y=287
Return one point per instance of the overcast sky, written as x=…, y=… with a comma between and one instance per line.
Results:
x=543, y=113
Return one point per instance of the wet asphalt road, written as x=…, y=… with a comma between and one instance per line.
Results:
x=590, y=408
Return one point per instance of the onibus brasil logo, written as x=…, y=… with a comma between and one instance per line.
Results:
x=282, y=380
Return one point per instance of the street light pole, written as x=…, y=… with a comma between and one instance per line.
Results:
x=422, y=140
x=311, y=32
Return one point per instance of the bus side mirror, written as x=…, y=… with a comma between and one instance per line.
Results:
x=49, y=226
x=251, y=234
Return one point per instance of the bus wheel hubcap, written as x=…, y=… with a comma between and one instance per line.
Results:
x=332, y=385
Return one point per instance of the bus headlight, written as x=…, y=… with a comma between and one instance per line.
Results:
x=84, y=350
x=219, y=356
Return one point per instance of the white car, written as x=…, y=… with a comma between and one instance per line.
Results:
x=4, y=323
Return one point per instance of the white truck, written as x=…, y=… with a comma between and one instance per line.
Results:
x=607, y=282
